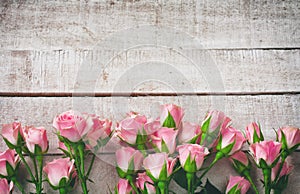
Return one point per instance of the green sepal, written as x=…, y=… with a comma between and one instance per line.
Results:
x=226, y=150
x=194, y=140
x=164, y=147
x=234, y=190
x=163, y=176
x=263, y=164
x=169, y=121
x=205, y=125
x=190, y=165
x=37, y=150
x=10, y=170
x=240, y=167
x=9, y=145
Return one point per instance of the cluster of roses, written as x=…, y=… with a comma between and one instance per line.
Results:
x=155, y=151
x=79, y=135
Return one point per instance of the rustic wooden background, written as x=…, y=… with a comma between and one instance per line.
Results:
x=110, y=57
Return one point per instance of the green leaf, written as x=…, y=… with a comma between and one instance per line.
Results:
x=9, y=145
x=209, y=189
x=169, y=121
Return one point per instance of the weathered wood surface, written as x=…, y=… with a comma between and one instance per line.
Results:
x=150, y=70
x=271, y=111
x=247, y=49
x=81, y=24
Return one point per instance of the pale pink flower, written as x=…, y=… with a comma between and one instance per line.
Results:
x=5, y=188
x=253, y=133
x=73, y=125
x=268, y=151
x=292, y=136
x=241, y=157
x=175, y=112
x=286, y=170
x=164, y=136
x=242, y=184
x=127, y=155
x=124, y=187
x=58, y=169
x=143, y=183
x=229, y=136
x=8, y=156
x=189, y=132
x=129, y=128
x=10, y=132
x=35, y=136
x=154, y=164
x=196, y=154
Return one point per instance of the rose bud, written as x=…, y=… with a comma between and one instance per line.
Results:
x=129, y=161
x=12, y=134
x=159, y=167
x=285, y=171
x=237, y=184
x=231, y=141
x=164, y=139
x=131, y=129
x=191, y=156
x=190, y=133
x=59, y=169
x=72, y=125
x=8, y=162
x=265, y=153
x=145, y=184
x=211, y=127
x=5, y=188
x=35, y=136
x=171, y=116
x=240, y=162
x=124, y=187
x=289, y=137
x=254, y=133
x=99, y=133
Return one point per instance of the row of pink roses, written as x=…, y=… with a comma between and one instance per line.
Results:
x=153, y=151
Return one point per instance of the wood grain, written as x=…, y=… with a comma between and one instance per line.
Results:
x=270, y=111
x=149, y=70
x=82, y=24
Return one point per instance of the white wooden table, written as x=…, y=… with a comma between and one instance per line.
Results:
x=110, y=57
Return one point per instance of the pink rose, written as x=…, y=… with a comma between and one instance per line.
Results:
x=128, y=158
x=59, y=169
x=5, y=188
x=230, y=136
x=155, y=163
x=253, y=133
x=237, y=184
x=268, y=151
x=73, y=125
x=214, y=120
x=175, y=113
x=124, y=187
x=100, y=130
x=292, y=137
x=129, y=128
x=241, y=157
x=164, y=139
x=190, y=132
x=11, y=131
x=8, y=156
x=35, y=136
x=286, y=170
x=144, y=183
x=196, y=154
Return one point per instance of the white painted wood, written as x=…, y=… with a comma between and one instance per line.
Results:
x=216, y=24
x=150, y=70
x=270, y=111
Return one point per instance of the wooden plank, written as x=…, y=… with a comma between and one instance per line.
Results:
x=271, y=111
x=150, y=70
x=216, y=24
